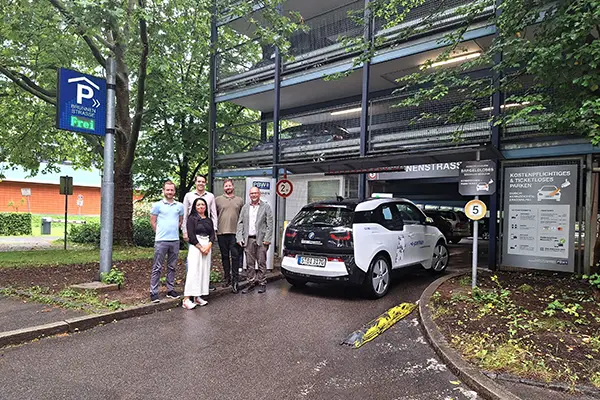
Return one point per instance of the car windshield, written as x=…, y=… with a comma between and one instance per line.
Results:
x=324, y=216
x=548, y=188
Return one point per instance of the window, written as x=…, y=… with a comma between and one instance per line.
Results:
x=324, y=216
x=390, y=217
x=323, y=190
x=410, y=214
x=351, y=187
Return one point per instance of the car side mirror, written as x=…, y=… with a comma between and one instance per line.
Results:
x=428, y=221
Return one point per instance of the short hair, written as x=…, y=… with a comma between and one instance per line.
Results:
x=228, y=180
x=169, y=183
x=200, y=176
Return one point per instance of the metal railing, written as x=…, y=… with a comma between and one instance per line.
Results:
x=321, y=44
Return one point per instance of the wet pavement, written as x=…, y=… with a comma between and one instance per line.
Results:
x=284, y=344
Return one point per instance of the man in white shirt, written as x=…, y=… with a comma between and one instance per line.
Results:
x=189, y=198
x=254, y=234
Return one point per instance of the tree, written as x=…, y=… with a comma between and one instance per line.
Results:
x=41, y=36
x=174, y=144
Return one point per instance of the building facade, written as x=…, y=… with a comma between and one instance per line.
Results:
x=348, y=135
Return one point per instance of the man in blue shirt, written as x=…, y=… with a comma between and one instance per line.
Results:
x=166, y=219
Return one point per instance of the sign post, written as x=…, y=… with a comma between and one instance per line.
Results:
x=66, y=188
x=86, y=104
x=26, y=192
x=80, y=203
x=476, y=178
x=108, y=184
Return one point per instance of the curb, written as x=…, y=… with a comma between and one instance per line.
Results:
x=78, y=324
x=467, y=373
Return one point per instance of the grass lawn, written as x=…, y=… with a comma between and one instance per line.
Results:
x=58, y=228
x=79, y=255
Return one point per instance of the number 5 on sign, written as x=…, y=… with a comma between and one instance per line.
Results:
x=475, y=210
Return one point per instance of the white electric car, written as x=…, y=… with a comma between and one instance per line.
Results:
x=360, y=243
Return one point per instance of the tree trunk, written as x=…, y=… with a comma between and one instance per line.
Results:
x=124, y=140
x=123, y=212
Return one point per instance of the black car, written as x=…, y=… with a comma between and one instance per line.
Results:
x=307, y=134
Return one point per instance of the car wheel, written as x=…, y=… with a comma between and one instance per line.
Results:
x=296, y=282
x=440, y=258
x=378, y=279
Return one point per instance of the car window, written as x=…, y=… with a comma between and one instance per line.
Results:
x=409, y=213
x=324, y=216
x=390, y=217
x=462, y=217
x=548, y=188
x=448, y=215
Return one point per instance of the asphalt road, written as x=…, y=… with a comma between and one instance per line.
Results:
x=284, y=344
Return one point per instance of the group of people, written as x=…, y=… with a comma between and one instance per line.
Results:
x=238, y=228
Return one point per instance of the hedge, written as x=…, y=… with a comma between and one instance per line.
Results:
x=143, y=235
x=13, y=224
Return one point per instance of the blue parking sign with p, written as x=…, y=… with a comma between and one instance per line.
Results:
x=81, y=105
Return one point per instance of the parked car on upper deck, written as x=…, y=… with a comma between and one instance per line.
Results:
x=360, y=242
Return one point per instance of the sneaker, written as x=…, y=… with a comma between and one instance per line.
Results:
x=172, y=295
x=212, y=288
x=262, y=288
x=154, y=298
x=200, y=301
x=188, y=304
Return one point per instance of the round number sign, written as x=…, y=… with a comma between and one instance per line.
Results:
x=284, y=188
x=475, y=210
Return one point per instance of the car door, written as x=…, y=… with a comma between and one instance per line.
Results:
x=393, y=236
x=417, y=243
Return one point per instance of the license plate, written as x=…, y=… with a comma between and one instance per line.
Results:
x=312, y=261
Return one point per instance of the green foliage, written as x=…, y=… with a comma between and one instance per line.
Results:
x=555, y=306
x=88, y=233
x=143, y=235
x=114, y=276
x=594, y=280
x=77, y=254
x=14, y=224
x=525, y=288
x=549, y=65
x=88, y=301
x=215, y=275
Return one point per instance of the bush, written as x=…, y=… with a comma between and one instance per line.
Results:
x=12, y=224
x=143, y=235
x=86, y=233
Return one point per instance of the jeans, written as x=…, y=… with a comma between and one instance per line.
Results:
x=169, y=248
x=230, y=256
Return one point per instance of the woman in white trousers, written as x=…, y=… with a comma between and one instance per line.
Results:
x=201, y=234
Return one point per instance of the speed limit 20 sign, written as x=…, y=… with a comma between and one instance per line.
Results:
x=475, y=210
x=284, y=188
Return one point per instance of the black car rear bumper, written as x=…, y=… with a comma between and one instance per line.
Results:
x=355, y=276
